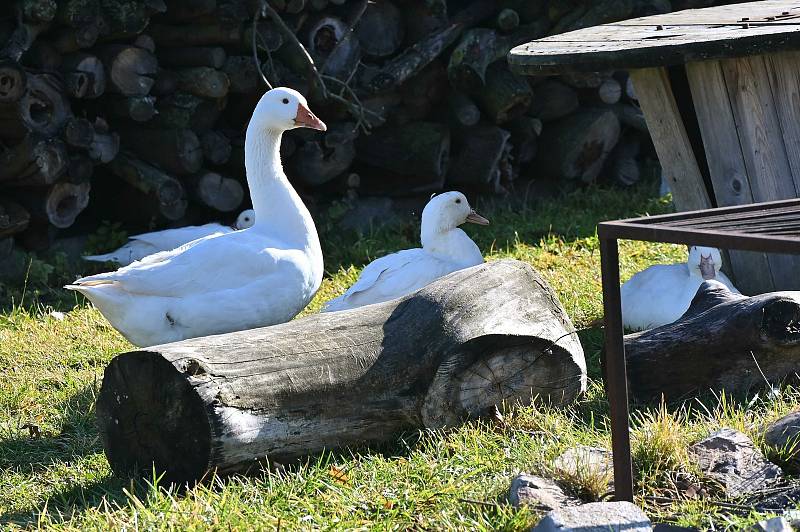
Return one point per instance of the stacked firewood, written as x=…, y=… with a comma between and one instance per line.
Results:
x=137, y=109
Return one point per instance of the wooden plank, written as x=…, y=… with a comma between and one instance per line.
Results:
x=761, y=140
x=672, y=38
x=669, y=136
x=726, y=164
x=783, y=70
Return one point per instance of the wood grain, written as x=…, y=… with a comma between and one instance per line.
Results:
x=671, y=141
x=671, y=38
x=489, y=335
x=726, y=165
x=761, y=140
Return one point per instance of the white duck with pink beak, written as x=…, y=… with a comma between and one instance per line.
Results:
x=661, y=293
x=262, y=275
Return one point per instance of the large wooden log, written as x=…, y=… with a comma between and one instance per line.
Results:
x=478, y=151
x=421, y=148
x=166, y=192
x=203, y=82
x=505, y=95
x=216, y=147
x=216, y=191
x=576, y=146
x=333, y=46
x=177, y=151
x=42, y=110
x=13, y=219
x=186, y=111
x=34, y=161
x=487, y=336
x=130, y=70
x=58, y=204
x=553, y=100
x=380, y=29
x=317, y=162
x=84, y=75
x=724, y=341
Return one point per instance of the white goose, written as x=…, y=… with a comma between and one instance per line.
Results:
x=661, y=293
x=227, y=282
x=140, y=246
x=445, y=249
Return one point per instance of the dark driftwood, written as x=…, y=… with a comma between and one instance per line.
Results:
x=715, y=345
x=481, y=337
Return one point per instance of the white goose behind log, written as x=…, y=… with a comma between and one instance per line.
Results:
x=445, y=249
x=256, y=277
x=661, y=293
x=141, y=246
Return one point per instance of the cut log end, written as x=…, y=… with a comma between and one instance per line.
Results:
x=12, y=82
x=172, y=431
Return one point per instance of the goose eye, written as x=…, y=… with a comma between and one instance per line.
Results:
x=458, y=201
x=285, y=100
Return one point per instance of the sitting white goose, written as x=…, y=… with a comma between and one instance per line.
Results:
x=140, y=246
x=445, y=249
x=259, y=276
x=661, y=293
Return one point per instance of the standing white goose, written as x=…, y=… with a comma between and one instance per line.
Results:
x=140, y=246
x=661, y=293
x=445, y=249
x=227, y=282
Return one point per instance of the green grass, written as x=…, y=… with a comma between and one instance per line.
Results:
x=53, y=473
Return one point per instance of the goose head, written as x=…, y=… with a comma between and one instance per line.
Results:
x=447, y=211
x=704, y=262
x=282, y=109
x=246, y=219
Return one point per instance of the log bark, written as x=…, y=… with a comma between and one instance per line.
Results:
x=242, y=73
x=177, y=151
x=33, y=161
x=127, y=18
x=724, y=341
x=380, y=30
x=67, y=40
x=136, y=108
x=84, y=75
x=193, y=56
x=400, y=68
x=185, y=10
x=576, y=147
x=105, y=144
x=21, y=40
x=476, y=164
x=166, y=192
x=42, y=110
x=477, y=339
x=463, y=110
x=78, y=133
x=13, y=218
x=203, y=82
x=186, y=111
x=553, y=100
x=505, y=95
x=216, y=147
x=58, y=204
x=215, y=191
x=38, y=11
x=418, y=148
x=130, y=70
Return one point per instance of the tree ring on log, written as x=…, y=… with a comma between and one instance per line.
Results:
x=12, y=82
x=65, y=202
x=172, y=426
x=43, y=109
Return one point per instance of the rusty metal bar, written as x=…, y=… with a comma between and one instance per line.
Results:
x=616, y=379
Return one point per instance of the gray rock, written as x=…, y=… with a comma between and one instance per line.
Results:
x=784, y=435
x=583, y=461
x=541, y=493
x=776, y=524
x=596, y=517
x=729, y=457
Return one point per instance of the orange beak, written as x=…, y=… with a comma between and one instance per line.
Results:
x=305, y=118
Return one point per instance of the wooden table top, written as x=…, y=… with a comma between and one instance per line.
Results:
x=673, y=38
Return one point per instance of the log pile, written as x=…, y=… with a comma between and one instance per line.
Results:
x=136, y=109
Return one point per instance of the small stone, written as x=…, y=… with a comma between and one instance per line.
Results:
x=776, y=524
x=784, y=435
x=583, y=461
x=729, y=457
x=596, y=517
x=541, y=493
